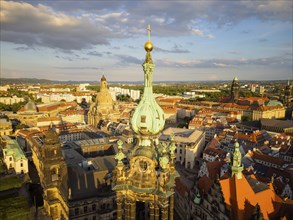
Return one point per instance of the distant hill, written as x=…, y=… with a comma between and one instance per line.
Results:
x=40, y=81
x=24, y=80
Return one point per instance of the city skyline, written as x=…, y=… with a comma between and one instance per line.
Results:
x=202, y=40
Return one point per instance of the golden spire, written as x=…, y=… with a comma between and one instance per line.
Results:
x=148, y=45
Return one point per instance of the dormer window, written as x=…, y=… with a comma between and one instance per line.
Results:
x=143, y=119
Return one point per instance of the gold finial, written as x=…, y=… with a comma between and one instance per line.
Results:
x=148, y=45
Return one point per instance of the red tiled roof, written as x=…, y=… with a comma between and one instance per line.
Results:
x=180, y=187
x=205, y=183
x=267, y=158
x=238, y=192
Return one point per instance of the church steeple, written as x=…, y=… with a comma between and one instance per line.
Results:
x=237, y=167
x=145, y=185
x=148, y=118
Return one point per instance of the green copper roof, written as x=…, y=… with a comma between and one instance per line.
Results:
x=148, y=118
x=13, y=149
x=237, y=167
x=197, y=199
x=274, y=103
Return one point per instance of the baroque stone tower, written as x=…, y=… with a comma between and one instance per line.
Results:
x=53, y=177
x=145, y=185
x=235, y=89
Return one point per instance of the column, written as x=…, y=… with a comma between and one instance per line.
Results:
x=171, y=212
x=126, y=209
x=152, y=211
x=119, y=209
x=157, y=212
x=133, y=209
x=165, y=213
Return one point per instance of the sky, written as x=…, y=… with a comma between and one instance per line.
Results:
x=193, y=40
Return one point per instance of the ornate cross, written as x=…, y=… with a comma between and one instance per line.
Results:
x=149, y=32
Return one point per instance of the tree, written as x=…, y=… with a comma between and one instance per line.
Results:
x=246, y=118
x=124, y=98
x=21, y=126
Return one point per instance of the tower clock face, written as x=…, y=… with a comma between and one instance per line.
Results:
x=143, y=165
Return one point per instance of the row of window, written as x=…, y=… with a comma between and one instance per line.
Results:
x=94, y=208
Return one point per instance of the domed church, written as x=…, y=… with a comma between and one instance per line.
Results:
x=104, y=108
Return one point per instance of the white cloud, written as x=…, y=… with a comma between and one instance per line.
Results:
x=197, y=32
x=210, y=36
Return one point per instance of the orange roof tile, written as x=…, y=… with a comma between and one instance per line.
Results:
x=237, y=192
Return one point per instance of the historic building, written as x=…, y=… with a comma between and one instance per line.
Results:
x=83, y=168
x=52, y=170
x=234, y=89
x=288, y=94
x=145, y=178
x=104, y=107
x=189, y=144
x=14, y=157
x=5, y=126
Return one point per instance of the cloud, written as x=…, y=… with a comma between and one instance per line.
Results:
x=226, y=63
x=262, y=40
x=74, y=57
x=126, y=59
x=39, y=25
x=197, y=32
x=95, y=53
x=233, y=52
x=24, y=48
x=210, y=36
x=132, y=47
x=77, y=67
x=77, y=25
x=174, y=49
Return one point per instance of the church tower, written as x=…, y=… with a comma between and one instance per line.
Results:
x=145, y=185
x=53, y=177
x=288, y=94
x=235, y=89
x=237, y=166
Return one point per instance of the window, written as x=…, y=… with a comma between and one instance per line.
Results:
x=76, y=211
x=94, y=206
x=21, y=164
x=180, y=151
x=94, y=218
x=85, y=209
x=143, y=119
x=143, y=165
x=10, y=158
